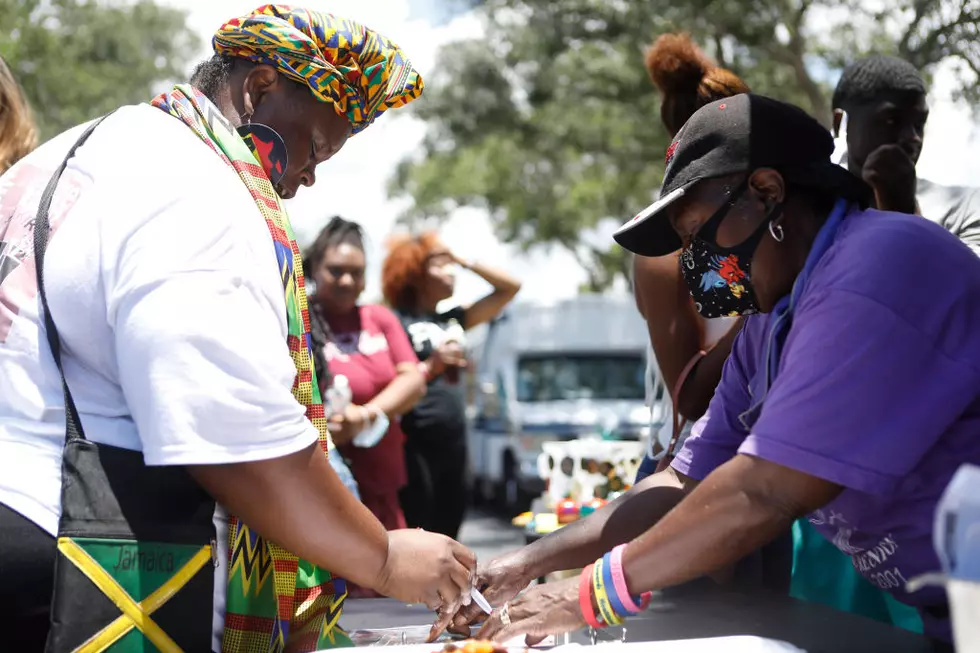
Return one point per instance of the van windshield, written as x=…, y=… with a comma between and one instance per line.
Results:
x=555, y=377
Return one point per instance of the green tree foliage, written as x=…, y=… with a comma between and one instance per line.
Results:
x=77, y=59
x=551, y=123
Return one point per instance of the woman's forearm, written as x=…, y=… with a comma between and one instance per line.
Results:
x=620, y=521
x=741, y=506
x=505, y=288
x=496, y=277
x=430, y=368
x=402, y=393
x=294, y=501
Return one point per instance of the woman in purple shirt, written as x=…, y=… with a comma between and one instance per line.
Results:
x=851, y=399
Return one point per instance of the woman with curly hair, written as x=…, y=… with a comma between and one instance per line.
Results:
x=417, y=275
x=18, y=136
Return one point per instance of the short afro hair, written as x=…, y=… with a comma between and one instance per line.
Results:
x=867, y=79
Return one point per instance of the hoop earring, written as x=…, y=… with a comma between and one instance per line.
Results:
x=268, y=147
x=776, y=231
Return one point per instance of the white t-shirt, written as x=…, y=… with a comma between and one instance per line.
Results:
x=163, y=282
x=955, y=208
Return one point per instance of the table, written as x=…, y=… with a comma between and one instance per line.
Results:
x=699, y=610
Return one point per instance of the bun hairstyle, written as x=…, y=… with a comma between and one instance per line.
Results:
x=687, y=78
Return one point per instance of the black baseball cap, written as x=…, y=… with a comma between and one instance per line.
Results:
x=739, y=134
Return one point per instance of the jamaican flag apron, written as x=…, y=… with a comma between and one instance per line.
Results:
x=136, y=548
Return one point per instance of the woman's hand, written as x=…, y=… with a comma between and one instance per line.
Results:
x=428, y=568
x=549, y=609
x=346, y=425
x=450, y=354
x=500, y=580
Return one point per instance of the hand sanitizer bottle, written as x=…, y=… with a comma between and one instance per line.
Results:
x=339, y=395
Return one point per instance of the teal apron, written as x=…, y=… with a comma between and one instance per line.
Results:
x=822, y=574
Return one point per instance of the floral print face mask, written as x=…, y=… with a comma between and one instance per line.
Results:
x=719, y=283
x=719, y=278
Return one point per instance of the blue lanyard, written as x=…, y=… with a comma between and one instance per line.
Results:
x=781, y=317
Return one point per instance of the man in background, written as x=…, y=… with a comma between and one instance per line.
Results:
x=884, y=101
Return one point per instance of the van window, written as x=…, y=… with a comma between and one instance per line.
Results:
x=554, y=377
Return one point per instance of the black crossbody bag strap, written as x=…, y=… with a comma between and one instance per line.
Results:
x=42, y=228
x=153, y=520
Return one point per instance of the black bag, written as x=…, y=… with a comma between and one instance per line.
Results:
x=136, y=547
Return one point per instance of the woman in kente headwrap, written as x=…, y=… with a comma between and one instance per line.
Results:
x=162, y=363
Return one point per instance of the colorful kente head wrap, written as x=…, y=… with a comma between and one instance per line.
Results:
x=360, y=72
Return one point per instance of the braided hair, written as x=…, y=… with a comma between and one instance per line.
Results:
x=337, y=232
x=867, y=79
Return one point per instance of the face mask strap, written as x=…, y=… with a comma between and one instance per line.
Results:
x=709, y=230
x=775, y=230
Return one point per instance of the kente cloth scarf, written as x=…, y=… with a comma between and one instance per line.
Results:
x=360, y=72
x=273, y=598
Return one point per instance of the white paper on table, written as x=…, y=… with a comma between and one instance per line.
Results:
x=388, y=640
x=738, y=644
x=514, y=646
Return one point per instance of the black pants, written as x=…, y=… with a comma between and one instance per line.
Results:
x=436, y=494
x=769, y=567
x=27, y=556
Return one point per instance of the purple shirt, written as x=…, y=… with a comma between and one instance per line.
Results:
x=878, y=390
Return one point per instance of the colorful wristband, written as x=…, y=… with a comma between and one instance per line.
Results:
x=585, y=597
x=601, y=598
x=645, y=600
x=632, y=604
x=615, y=601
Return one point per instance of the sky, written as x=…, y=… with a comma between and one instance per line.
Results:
x=353, y=184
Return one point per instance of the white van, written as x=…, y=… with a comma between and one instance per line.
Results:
x=554, y=372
